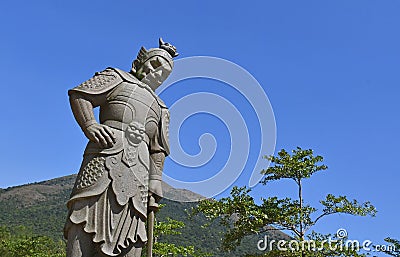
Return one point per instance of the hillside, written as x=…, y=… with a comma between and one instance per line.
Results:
x=41, y=207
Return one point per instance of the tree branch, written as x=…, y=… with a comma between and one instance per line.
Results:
x=322, y=215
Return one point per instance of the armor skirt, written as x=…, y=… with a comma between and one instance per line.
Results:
x=114, y=228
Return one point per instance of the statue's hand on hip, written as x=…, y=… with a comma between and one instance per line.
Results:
x=101, y=134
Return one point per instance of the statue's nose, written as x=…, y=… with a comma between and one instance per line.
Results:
x=151, y=69
x=158, y=74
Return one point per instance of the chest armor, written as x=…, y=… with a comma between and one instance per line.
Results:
x=138, y=119
x=130, y=103
x=134, y=114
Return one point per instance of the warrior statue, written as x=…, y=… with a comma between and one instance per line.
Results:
x=119, y=183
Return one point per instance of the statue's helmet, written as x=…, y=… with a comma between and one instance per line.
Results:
x=164, y=50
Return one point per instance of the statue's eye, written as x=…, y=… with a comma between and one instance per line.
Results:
x=145, y=69
x=155, y=63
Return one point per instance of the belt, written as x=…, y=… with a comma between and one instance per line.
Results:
x=116, y=124
x=122, y=126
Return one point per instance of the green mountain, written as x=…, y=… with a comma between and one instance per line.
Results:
x=41, y=207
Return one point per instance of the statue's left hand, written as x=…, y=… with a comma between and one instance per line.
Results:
x=152, y=203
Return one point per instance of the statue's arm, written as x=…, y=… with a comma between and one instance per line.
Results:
x=157, y=159
x=155, y=178
x=82, y=107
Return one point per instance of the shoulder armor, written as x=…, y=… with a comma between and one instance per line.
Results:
x=101, y=82
x=109, y=78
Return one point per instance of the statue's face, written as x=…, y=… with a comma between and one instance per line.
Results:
x=154, y=71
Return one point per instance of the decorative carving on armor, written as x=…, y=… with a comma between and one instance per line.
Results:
x=100, y=82
x=135, y=133
x=124, y=183
x=144, y=193
x=165, y=129
x=130, y=156
x=91, y=173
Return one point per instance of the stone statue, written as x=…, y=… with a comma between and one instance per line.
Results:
x=119, y=183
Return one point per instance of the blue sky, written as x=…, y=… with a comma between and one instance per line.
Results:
x=329, y=68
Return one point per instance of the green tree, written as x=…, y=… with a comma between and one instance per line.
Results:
x=163, y=249
x=171, y=227
x=20, y=242
x=242, y=216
